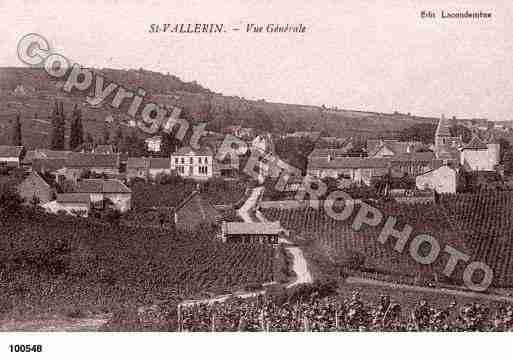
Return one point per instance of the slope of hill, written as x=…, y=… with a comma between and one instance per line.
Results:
x=197, y=102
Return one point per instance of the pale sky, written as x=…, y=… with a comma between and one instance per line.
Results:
x=365, y=55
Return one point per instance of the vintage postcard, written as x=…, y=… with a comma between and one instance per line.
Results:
x=255, y=166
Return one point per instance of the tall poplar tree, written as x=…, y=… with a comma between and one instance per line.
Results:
x=16, y=133
x=76, y=137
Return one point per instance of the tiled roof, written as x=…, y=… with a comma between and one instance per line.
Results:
x=48, y=164
x=397, y=147
x=104, y=149
x=11, y=151
x=413, y=157
x=154, y=139
x=137, y=162
x=90, y=160
x=325, y=152
x=73, y=198
x=46, y=154
x=348, y=162
x=101, y=186
x=149, y=162
x=269, y=228
x=160, y=162
x=187, y=150
x=475, y=144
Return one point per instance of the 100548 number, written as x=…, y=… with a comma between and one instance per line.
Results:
x=26, y=348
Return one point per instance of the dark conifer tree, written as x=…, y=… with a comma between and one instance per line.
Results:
x=16, y=134
x=54, y=137
x=76, y=137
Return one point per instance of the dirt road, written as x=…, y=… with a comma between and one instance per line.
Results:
x=299, y=266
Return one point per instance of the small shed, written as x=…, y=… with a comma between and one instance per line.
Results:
x=242, y=232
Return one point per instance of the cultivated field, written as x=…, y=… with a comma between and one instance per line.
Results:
x=486, y=219
x=75, y=267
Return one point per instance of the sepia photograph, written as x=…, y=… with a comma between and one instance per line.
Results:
x=176, y=171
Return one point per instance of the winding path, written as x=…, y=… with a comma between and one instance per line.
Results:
x=299, y=266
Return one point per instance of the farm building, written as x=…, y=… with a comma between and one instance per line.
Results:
x=147, y=167
x=242, y=232
x=441, y=180
x=71, y=203
x=79, y=163
x=357, y=169
x=104, y=150
x=11, y=156
x=480, y=156
x=100, y=190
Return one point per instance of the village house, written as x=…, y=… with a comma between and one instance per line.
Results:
x=45, y=160
x=77, y=204
x=344, y=144
x=77, y=164
x=147, y=167
x=413, y=163
x=11, y=156
x=311, y=135
x=390, y=148
x=192, y=163
x=104, y=150
x=240, y=132
x=262, y=147
x=480, y=156
x=101, y=191
x=357, y=169
x=442, y=180
x=154, y=144
x=159, y=165
x=137, y=167
x=242, y=232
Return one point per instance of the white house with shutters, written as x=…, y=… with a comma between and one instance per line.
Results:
x=193, y=163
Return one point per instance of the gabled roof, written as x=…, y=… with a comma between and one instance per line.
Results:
x=188, y=150
x=73, y=198
x=154, y=139
x=137, y=162
x=48, y=164
x=348, y=162
x=101, y=186
x=90, y=160
x=104, y=149
x=11, y=151
x=43, y=153
x=160, y=162
x=148, y=162
x=413, y=157
x=395, y=146
x=325, y=152
x=433, y=170
x=475, y=144
x=269, y=228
